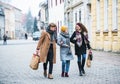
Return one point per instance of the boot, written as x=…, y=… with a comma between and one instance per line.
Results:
x=83, y=63
x=50, y=76
x=45, y=73
x=79, y=67
x=62, y=74
x=83, y=71
x=66, y=75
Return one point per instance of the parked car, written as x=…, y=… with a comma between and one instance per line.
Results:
x=36, y=35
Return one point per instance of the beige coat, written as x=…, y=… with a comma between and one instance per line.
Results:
x=43, y=46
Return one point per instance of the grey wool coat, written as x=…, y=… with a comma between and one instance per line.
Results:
x=65, y=51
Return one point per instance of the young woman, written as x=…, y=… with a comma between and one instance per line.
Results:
x=65, y=51
x=80, y=39
x=47, y=49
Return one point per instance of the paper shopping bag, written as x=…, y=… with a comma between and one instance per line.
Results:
x=34, y=62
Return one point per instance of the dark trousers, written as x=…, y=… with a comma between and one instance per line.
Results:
x=49, y=59
x=50, y=66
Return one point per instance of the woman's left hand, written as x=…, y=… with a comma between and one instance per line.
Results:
x=90, y=50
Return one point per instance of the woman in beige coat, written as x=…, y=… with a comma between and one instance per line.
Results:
x=47, y=49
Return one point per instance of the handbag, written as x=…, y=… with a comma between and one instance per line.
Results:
x=35, y=62
x=89, y=59
x=90, y=56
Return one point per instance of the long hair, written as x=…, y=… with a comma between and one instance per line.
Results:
x=84, y=29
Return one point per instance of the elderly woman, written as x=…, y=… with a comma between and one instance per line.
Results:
x=65, y=51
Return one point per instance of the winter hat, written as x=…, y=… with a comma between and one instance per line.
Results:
x=63, y=28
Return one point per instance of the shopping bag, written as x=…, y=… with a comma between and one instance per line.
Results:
x=35, y=62
x=88, y=63
x=89, y=59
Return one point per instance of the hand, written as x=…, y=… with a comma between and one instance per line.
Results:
x=90, y=52
x=38, y=52
x=61, y=42
x=67, y=45
x=74, y=38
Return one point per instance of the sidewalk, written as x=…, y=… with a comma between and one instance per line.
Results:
x=15, y=60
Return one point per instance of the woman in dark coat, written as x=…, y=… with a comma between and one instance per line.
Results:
x=80, y=39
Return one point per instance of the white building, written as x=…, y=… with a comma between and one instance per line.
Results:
x=12, y=21
x=43, y=15
x=77, y=11
x=56, y=12
x=82, y=13
x=2, y=23
x=18, y=23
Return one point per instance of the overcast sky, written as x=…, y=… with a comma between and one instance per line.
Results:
x=24, y=5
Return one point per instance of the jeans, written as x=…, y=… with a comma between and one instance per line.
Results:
x=83, y=59
x=65, y=66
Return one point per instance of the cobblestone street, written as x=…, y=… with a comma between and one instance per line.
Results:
x=16, y=56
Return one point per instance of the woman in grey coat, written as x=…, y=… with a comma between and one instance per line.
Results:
x=65, y=51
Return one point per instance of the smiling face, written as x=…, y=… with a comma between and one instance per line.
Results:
x=77, y=27
x=52, y=28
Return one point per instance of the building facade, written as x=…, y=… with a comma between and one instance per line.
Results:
x=68, y=15
x=56, y=12
x=78, y=11
x=106, y=25
x=11, y=23
x=43, y=15
x=18, y=23
x=2, y=22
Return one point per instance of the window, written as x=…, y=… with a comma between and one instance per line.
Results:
x=75, y=17
x=60, y=1
x=105, y=15
x=51, y=3
x=56, y=2
x=98, y=15
x=115, y=14
x=80, y=16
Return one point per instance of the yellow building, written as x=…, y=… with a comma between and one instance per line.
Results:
x=105, y=25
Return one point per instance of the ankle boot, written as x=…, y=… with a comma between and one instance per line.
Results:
x=80, y=68
x=62, y=74
x=83, y=63
x=45, y=73
x=66, y=75
x=50, y=76
x=83, y=71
